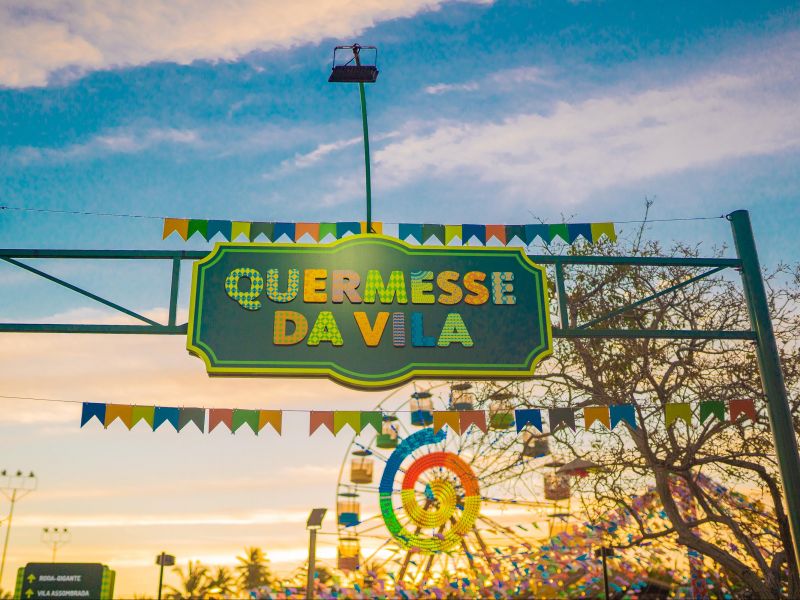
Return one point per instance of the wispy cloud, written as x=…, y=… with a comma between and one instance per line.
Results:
x=504, y=77
x=616, y=137
x=40, y=38
x=117, y=141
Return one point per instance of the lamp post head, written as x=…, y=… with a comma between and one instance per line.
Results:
x=315, y=518
x=365, y=69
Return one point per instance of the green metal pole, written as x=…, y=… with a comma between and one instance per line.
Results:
x=366, y=154
x=161, y=575
x=769, y=366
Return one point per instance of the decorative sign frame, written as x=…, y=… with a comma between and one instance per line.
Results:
x=369, y=311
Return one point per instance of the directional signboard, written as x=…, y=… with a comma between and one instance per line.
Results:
x=65, y=580
x=369, y=311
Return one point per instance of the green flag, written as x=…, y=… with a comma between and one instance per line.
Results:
x=346, y=417
x=241, y=416
x=712, y=407
x=678, y=410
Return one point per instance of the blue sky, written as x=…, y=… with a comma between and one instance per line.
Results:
x=497, y=112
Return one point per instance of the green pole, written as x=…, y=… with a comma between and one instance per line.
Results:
x=161, y=575
x=8, y=533
x=366, y=154
x=769, y=366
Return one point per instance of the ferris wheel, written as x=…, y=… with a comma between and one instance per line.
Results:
x=415, y=506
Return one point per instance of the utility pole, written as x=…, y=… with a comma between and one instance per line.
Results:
x=313, y=524
x=57, y=537
x=604, y=553
x=14, y=487
x=769, y=366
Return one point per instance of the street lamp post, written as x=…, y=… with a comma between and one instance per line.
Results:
x=163, y=560
x=313, y=524
x=604, y=553
x=359, y=73
x=14, y=487
x=57, y=537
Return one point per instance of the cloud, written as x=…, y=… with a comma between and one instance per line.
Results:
x=116, y=141
x=503, y=78
x=614, y=138
x=41, y=38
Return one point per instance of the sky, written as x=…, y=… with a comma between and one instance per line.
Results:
x=494, y=112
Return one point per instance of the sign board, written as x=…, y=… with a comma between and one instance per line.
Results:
x=65, y=580
x=369, y=311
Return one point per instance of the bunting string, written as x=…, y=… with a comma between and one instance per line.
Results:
x=415, y=233
x=207, y=420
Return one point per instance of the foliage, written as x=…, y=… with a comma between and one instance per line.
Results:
x=194, y=582
x=746, y=543
x=253, y=569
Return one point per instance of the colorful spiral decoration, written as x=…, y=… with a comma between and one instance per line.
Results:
x=449, y=486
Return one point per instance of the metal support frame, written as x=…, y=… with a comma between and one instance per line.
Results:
x=746, y=263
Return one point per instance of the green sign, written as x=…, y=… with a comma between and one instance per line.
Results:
x=65, y=580
x=369, y=311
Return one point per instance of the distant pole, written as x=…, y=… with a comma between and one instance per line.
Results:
x=362, y=93
x=769, y=366
x=604, y=552
x=8, y=532
x=14, y=483
x=312, y=556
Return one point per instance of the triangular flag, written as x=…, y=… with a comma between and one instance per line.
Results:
x=678, y=410
x=623, y=412
x=222, y=227
x=575, y=230
x=599, y=229
x=346, y=417
x=446, y=417
x=243, y=416
x=559, y=230
x=451, y=232
x=497, y=232
x=327, y=229
x=712, y=407
x=192, y=415
x=273, y=417
x=282, y=229
x=165, y=414
x=561, y=416
x=220, y=415
x=742, y=407
x=528, y=416
x=410, y=229
x=473, y=231
x=262, y=228
x=197, y=226
x=91, y=410
x=343, y=228
x=240, y=228
x=430, y=230
x=515, y=230
x=318, y=418
x=179, y=226
x=541, y=230
x=311, y=229
x=472, y=417
x=377, y=227
x=374, y=418
x=146, y=413
x=596, y=413
x=118, y=411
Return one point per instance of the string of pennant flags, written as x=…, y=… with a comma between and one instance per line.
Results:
x=207, y=420
x=413, y=232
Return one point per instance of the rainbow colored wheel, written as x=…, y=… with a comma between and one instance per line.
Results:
x=447, y=487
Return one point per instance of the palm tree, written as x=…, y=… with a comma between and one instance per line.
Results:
x=253, y=569
x=193, y=583
x=221, y=584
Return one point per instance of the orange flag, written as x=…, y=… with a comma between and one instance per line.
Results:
x=472, y=417
x=446, y=417
x=179, y=226
x=123, y=412
x=596, y=413
x=273, y=417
